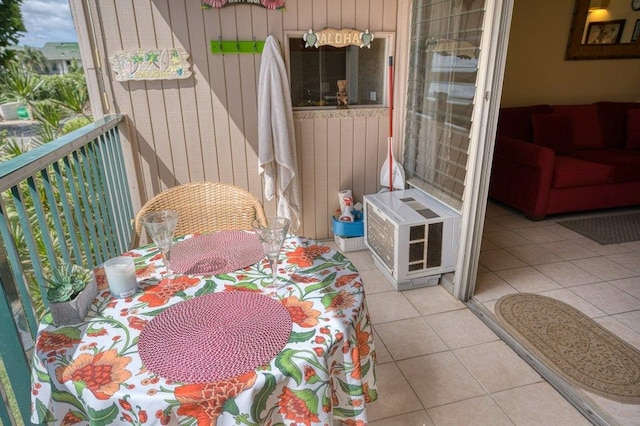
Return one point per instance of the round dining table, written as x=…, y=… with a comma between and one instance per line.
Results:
x=223, y=348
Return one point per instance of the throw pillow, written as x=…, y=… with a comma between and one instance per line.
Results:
x=554, y=131
x=633, y=128
x=587, y=133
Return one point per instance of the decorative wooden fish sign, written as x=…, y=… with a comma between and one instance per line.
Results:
x=151, y=64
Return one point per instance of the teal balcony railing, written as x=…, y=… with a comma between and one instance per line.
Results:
x=67, y=201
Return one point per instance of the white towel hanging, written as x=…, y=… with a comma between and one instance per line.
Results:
x=277, y=160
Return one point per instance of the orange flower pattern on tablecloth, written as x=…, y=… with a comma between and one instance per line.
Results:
x=204, y=401
x=300, y=279
x=102, y=373
x=302, y=313
x=71, y=419
x=305, y=256
x=362, y=337
x=294, y=408
x=356, y=373
x=159, y=294
x=145, y=271
x=340, y=301
x=48, y=342
x=360, y=351
x=345, y=279
x=137, y=323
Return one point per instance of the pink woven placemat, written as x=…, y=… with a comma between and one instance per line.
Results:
x=217, y=253
x=214, y=337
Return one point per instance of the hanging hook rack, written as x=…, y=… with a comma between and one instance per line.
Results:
x=236, y=46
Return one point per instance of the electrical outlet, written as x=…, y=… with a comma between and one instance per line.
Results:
x=372, y=96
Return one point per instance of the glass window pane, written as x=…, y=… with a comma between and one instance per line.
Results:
x=314, y=73
x=443, y=63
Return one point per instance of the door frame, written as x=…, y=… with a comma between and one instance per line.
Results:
x=491, y=66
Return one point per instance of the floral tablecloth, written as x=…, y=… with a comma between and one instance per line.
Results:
x=92, y=372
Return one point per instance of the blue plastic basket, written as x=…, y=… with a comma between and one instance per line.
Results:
x=349, y=229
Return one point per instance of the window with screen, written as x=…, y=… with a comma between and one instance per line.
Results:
x=443, y=64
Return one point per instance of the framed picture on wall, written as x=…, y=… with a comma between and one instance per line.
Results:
x=636, y=32
x=605, y=32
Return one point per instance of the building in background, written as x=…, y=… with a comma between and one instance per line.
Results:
x=61, y=57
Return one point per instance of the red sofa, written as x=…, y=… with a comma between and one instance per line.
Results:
x=553, y=159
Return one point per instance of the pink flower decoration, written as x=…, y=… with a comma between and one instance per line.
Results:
x=272, y=4
x=215, y=3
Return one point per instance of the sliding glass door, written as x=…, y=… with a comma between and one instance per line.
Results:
x=454, y=79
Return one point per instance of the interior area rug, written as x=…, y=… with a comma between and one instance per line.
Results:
x=573, y=345
x=611, y=229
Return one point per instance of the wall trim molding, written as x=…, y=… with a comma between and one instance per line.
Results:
x=340, y=113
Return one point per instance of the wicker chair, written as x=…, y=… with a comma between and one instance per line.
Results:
x=203, y=207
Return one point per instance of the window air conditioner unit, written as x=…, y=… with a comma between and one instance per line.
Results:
x=413, y=236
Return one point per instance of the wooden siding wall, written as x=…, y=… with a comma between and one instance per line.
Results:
x=205, y=127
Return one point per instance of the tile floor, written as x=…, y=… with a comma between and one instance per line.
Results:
x=438, y=364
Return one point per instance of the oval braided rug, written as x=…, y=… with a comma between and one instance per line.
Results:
x=582, y=351
x=215, y=337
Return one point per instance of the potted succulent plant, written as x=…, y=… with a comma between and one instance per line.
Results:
x=71, y=292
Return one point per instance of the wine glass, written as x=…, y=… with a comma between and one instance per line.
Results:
x=271, y=234
x=160, y=226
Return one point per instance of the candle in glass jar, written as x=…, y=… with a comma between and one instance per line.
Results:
x=121, y=275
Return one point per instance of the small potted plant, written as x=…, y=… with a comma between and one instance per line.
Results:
x=71, y=292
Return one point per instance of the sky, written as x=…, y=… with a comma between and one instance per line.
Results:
x=46, y=20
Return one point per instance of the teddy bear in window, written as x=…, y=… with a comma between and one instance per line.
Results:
x=342, y=97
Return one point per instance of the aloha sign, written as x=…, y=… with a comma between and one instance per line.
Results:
x=338, y=38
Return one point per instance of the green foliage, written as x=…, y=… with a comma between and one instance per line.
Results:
x=67, y=282
x=49, y=99
x=49, y=113
x=32, y=59
x=75, y=124
x=19, y=84
x=9, y=147
x=73, y=98
x=51, y=84
x=11, y=26
x=46, y=134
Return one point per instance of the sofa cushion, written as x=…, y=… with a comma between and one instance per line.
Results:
x=613, y=120
x=625, y=166
x=554, y=131
x=570, y=172
x=633, y=129
x=515, y=122
x=587, y=133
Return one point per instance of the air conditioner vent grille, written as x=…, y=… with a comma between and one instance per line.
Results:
x=434, y=253
x=380, y=237
x=427, y=213
x=419, y=208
